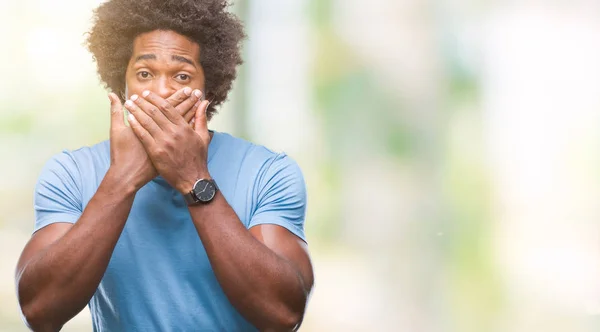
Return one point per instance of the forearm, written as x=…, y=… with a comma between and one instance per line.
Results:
x=265, y=288
x=58, y=282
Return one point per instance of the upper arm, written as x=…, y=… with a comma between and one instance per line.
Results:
x=39, y=241
x=58, y=192
x=280, y=196
x=278, y=218
x=289, y=246
x=57, y=205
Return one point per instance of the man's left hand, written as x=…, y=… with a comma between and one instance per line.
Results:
x=178, y=151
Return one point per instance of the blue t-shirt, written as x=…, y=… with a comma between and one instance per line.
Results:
x=159, y=277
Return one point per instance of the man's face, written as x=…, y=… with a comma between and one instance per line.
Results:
x=163, y=62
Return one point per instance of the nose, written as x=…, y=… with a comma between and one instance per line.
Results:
x=163, y=88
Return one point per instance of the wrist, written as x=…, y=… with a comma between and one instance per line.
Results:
x=187, y=184
x=118, y=182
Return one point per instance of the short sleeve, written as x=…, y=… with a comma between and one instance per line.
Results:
x=57, y=196
x=281, y=196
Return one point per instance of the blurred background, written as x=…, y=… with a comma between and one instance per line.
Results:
x=451, y=150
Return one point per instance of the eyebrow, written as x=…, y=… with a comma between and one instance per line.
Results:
x=178, y=58
x=182, y=59
x=145, y=57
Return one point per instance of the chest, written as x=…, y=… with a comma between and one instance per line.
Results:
x=159, y=237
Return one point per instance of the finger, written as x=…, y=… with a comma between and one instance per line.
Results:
x=191, y=113
x=153, y=110
x=189, y=104
x=142, y=118
x=116, y=112
x=200, y=122
x=163, y=106
x=140, y=132
x=180, y=96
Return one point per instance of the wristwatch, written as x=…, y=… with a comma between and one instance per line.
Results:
x=204, y=191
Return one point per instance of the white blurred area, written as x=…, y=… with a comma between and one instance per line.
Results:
x=531, y=131
x=542, y=124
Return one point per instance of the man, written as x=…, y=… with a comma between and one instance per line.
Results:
x=167, y=226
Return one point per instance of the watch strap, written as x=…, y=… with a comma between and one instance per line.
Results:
x=190, y=198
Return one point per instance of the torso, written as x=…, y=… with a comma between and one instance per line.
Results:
x=159, y=277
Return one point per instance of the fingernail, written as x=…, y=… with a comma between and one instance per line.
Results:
x=129, y=103
x=134, y=97
x=130, y=117
x=145, y=93
x=187, y=91
x=197, y=93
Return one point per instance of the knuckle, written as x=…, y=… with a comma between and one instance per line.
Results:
x=180, y=109
x=176, y=100
x=145, y=122
x=177, y=136
x=169, y=144
x=153, y=110
x=164, y=105
x=160, y=152
x=170, y=130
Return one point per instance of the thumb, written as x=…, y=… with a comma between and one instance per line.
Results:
x=200, y=122
x=116, y=112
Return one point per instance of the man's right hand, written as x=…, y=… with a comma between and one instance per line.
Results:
x=129, y=162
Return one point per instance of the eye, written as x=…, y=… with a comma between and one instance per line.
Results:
x=143, y=75
x=183, y=77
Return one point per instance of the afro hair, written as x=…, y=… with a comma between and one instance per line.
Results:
x=207, y=22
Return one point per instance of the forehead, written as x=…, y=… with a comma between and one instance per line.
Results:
x=165, y=43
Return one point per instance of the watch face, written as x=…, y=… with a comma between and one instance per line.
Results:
x=205, y=190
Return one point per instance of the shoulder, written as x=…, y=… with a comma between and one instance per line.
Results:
x=95, y=155
x=275, y=183
x=74, y=163
x=257, y=158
